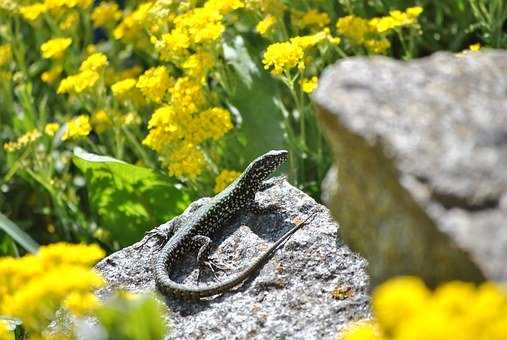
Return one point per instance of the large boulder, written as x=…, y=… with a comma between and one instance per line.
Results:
x=310, y=289
x=420, y=178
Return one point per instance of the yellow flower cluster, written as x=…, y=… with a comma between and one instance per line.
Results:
x=265, y=24
x=5, y=334
x=51, y=128
x=106, y=13
x=52, y=74
x=5, y=54
x=34, y=287
x=54, y=48
x=225, y=178
x=314, y=18
x=87, y=77
x=406, y=309
x=284, y=56
x=22, y=141
x=188, y=36
x=78, y=127
x=131, y=28
x=154, y=83
x=308, y=85
x=371, y=33
x=57, y=7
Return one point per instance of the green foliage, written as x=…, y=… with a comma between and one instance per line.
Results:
x=139, y=319
x=128, y=199
x=18, y=234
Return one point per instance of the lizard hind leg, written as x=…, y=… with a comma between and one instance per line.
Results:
x=203, y=260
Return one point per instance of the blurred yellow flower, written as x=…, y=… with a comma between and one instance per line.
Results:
x=22, y=141
x=95, y=62
x=100, y=121
x=406, y=310
x=5, y=333
x=354, y=28
x=265, y=24
x=308, y=85
x=78, y=127
x=32, y=12
x=52, y=74
x=51, y=128
x=78, y=83
x=106, y=13
x=123, y=87
x=399, y=299
x=225, y=178
x=55, y=48
x=5, y=54
x=362, y=330
x=315, y=18
x=34, y=287
x=474, y=48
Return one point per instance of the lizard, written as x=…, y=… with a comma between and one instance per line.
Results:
x=222, y=208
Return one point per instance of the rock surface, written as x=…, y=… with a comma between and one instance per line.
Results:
x=421, y=154
x=291, y=296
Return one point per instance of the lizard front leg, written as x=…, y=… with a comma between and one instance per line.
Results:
x=162, y=233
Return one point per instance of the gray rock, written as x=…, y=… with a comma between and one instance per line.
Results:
x=291, y=296
x=421, y=154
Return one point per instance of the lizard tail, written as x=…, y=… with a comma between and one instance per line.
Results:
x=168, y=287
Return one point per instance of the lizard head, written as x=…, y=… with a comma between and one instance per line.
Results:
x=262, y=167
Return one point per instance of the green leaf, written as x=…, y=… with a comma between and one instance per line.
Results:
x=254, y=96
x=128, y=199
x=18, y=234
x=138, y=319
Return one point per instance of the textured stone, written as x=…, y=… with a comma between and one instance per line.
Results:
x=291, y=296
x=421, y=154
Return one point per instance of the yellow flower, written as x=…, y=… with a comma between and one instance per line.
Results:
x=55, y=48
x=100, y=121
x=154, y=83
x=5, y=333
x=198, y=64
x=131, y=118
x=225, y=178
x=399, y=299
x=265, y=24
x=308, y=85
x=186, y=160
x=315, y=18
x=95, y=62
x=51, y=128
x=5, y=54
x=474, y=48
x=123, y=87
x=354, y=28
x=22, y=141
x=106, y=13
x=224, y=6
x=79, y=82
x=58, y=275
x=361, y=331
x=377, y=46
x=32, y=12
x=78, y=127
x=283, y=56
x=81, y=304
x=52, y=74
x=414, y=12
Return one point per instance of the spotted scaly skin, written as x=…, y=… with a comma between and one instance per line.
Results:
x=218, y=213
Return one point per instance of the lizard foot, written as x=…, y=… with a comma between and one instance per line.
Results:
x=160, y=235
x=214, y=266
